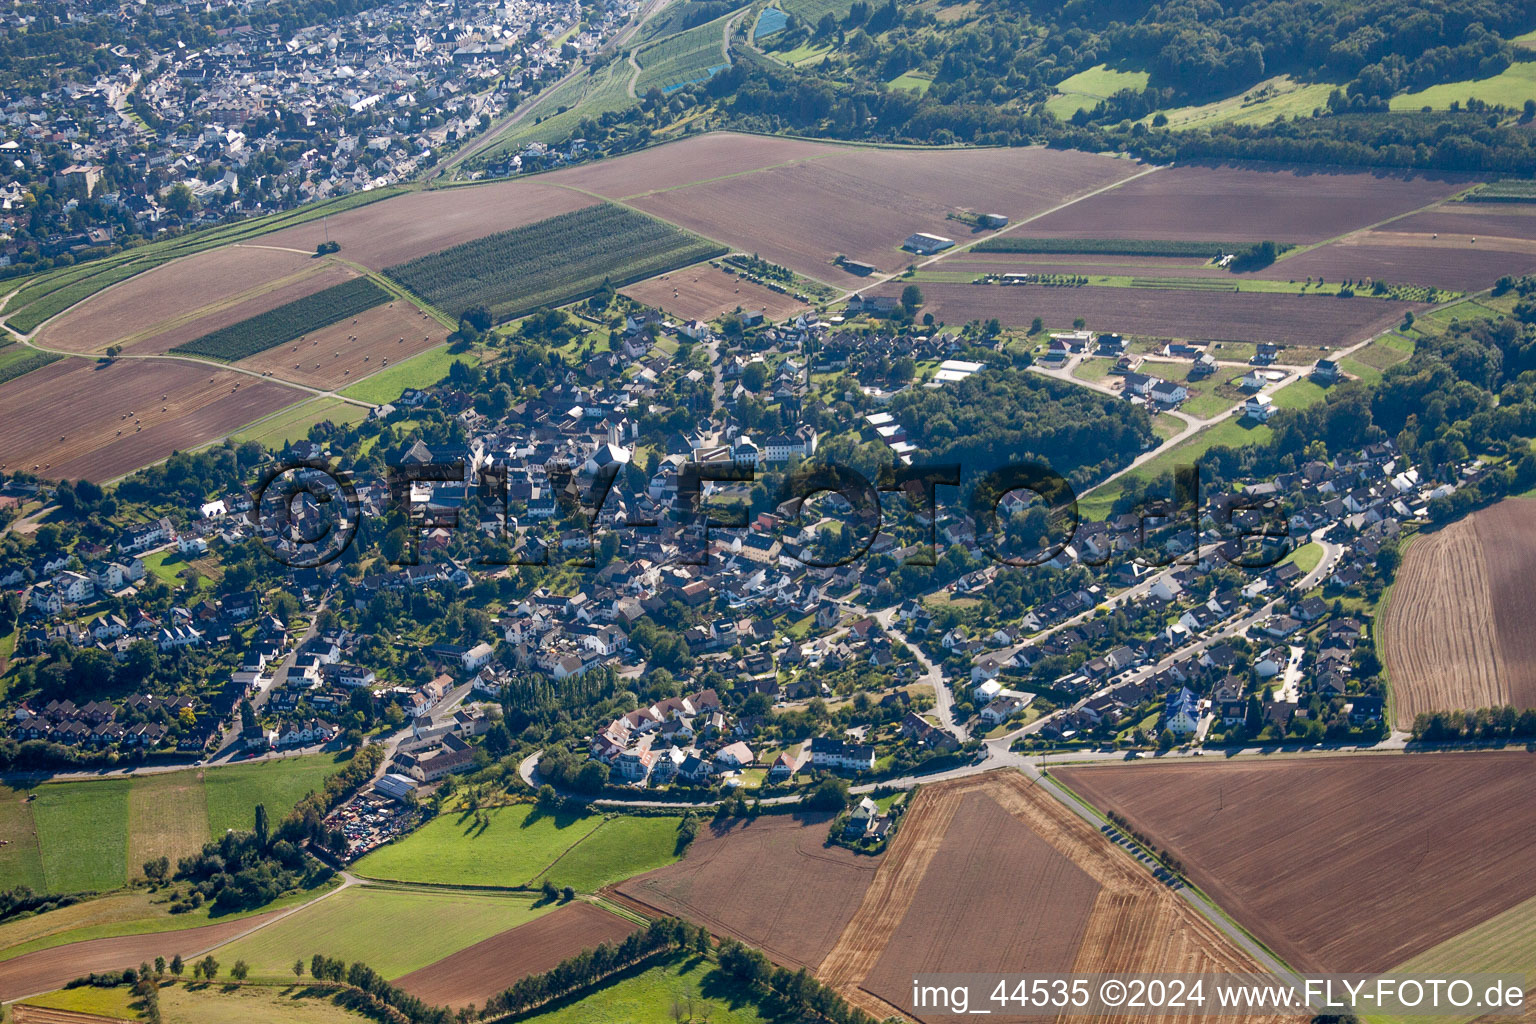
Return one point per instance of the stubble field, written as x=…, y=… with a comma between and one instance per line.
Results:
x=187, y=298
x=1457, y=631
x=334, y=356
x=1341, y=864
x=1039, y=886
x=77, y=419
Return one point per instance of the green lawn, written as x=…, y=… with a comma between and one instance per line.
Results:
x=514, y=846
x=648, y=997
x=293, y=423
x=1299, y=394
x=1084, y=89
x=419, y=371
x=1232, y=432
x=621, y=848
x=1512, y=87
x=1305, y=557
x=234, y=792
x=83, y=829
x=911, y=81
x=166, y=566
x=394, y=931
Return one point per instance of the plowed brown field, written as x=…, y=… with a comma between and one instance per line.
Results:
x=1343, y=863
x=78, y=419
x=864, y=202
x=1314, y=320
x=1453, y=262
x=1457, y=632
x=1245, y=204
x=703, y=292
x=335, y=356
x=472, y=975
x=769, y=881
x=991, y=874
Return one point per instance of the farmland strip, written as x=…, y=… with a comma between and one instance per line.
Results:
x=287, y=322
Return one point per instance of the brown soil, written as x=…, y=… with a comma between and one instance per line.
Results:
x=1346, y=864
x=342, y=353
x=991, y=874
x=475, y=974
x=1245, y=204
x=704, y=292
x=77, y=419
x=771, y=882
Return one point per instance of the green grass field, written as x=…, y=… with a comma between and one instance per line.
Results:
x=104, y=1002
x=911, y=81
x=293, y=423
x=95, y=835
x=621, y=848
x=1085, y=89
x=419, y=371
x=586, y=95
x=1512, y=87
x=1299, y=394
x=394, y=931
x=21, y=858
x=519, y=844
x=234, y=792
x=648, y=997
x=1281, y=96
x=83, y=829
x=1305, y=557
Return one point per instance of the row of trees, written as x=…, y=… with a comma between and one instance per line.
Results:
x=591, y=966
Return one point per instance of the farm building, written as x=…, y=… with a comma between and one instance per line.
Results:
x=993, y=220
x=925, y=244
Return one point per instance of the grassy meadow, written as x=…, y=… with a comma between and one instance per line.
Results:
x=520, y=846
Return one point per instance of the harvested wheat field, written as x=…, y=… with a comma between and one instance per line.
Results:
x=49, y=969
x=704, y=292
x=991, y=874
x=863, y=203
x=1198, y=315
x=342, y=353
x=474, y=974
x=1349, y=863
x=79, y=419
x=769, y=881
x=1247, y=203
x=218, y=283
x=394, y=230
x=1456, y=631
